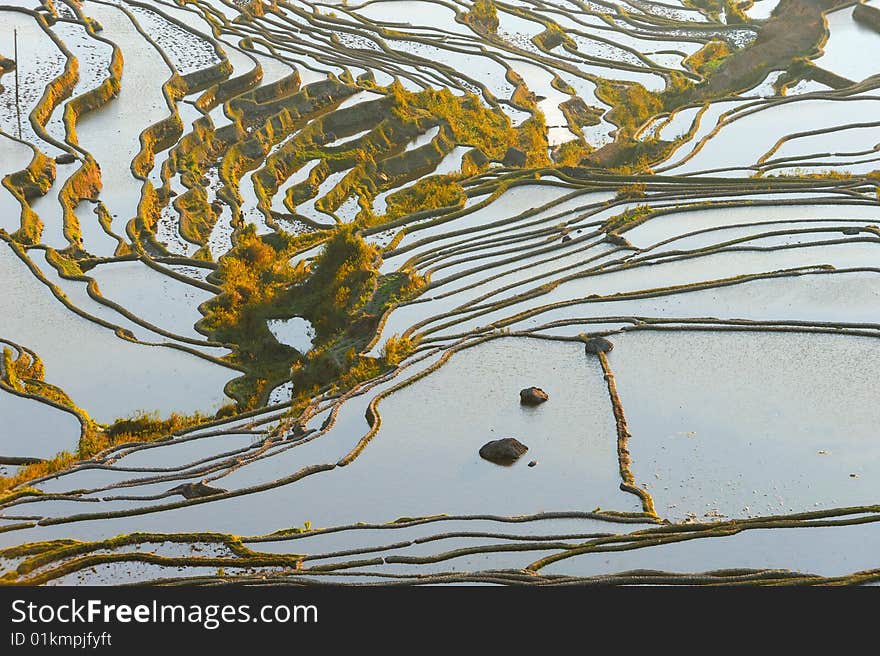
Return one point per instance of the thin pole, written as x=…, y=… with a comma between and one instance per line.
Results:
x=17, y=101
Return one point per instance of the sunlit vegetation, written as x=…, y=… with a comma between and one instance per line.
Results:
x=474, y=124
x=345, y=298
x=708, y=58
x=332, y=148
x=256, y=277
x=26, y=374
x=632, y=191
x=483, y=14
x=340, y=293
x=396, y=349
x=17, y=368
x=30, y=472
x=428, y=194
x=571, y=153
x=341, y=282
x=715, y=9
x=628, y=218
x=632, y=103
x=143, y=427
x=27, y=185
x=251, y=275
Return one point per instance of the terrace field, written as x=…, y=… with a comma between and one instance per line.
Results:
x=273, y=273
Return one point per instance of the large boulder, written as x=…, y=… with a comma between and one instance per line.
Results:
x=533, y=396
x=505, y=451
x=597, y=345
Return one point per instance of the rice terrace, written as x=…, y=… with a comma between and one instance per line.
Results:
x=510, y=292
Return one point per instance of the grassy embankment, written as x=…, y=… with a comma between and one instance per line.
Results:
x=796, y=30
x=341, y=292
x=24, y=376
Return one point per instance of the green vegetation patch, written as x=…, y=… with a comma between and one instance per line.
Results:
x=707, y=59
x=428, y=193
x=483, y=15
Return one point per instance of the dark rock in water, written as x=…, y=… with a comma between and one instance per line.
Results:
x=196, y=490
x=505, y=451
x=850, y=231
x=514, y=157
x=533, y=396
x=566, y=238
x=597, y=345
x=533, y=463
x=65, y=158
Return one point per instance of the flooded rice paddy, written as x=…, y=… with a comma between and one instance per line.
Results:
x=273, y=274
